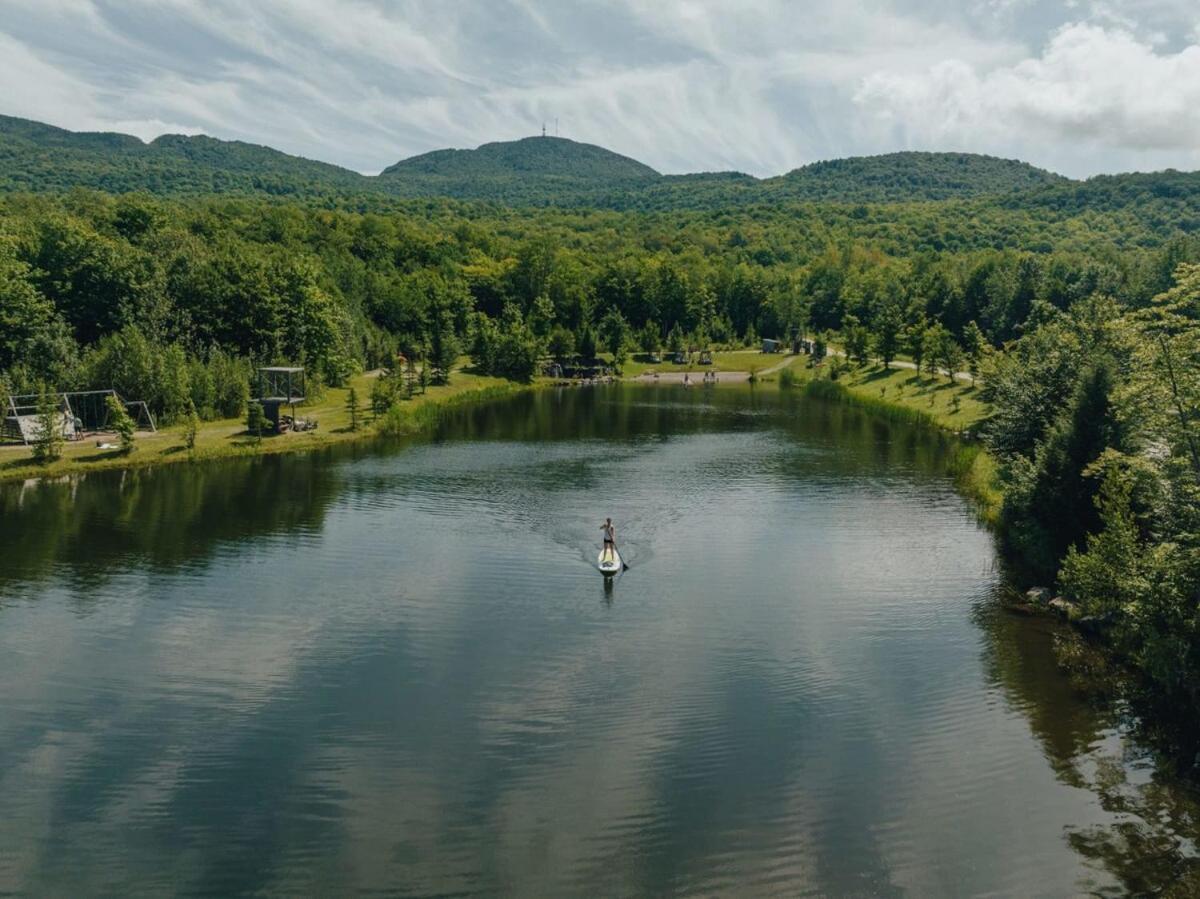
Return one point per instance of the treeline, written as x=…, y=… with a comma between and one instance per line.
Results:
x=1097, y=425
x=163, y=299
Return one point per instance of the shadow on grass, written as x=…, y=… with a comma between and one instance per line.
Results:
x=18, y=462
x=103, y=456
x=876, y=374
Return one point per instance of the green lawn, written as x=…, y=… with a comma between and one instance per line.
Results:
x=953, y=404
x=217, y=439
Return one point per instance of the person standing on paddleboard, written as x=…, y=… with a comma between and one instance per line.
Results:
x=610, y=538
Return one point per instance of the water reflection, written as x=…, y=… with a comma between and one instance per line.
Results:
x=398, y=670
x=1076, y=704
x=89, y=527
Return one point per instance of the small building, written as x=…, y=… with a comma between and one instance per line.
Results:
x=771, y=346
x=278, y=386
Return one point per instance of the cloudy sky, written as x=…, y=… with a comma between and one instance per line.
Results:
x=1078, y=86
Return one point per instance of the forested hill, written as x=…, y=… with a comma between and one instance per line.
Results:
x=41, y=158
x=900, y=177
x=535, y=171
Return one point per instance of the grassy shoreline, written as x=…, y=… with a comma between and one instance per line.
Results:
x=228, y=438
x=893, y=393
x=930, y=401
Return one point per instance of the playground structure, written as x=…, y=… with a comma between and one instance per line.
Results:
x=79, y=413
x=279, y=386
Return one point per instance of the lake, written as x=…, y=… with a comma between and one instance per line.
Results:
x=396, y=669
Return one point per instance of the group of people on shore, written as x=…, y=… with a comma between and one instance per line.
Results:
x=710, y=377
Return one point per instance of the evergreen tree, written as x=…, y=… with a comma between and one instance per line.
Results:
x=915, y=341
x=120, y=422
x=649, y=339
x=888, y=325
x=562, y=345
x=932, y=345
x=587, y=344
x=1050, y=504
x=675, y=341
x=857, y=338
x=974, y=346
x=48, y=438
x=352, y=408
x=256, y=420
x=443, y=346
x=191, y=427
x=820, y=348
x=947, y=353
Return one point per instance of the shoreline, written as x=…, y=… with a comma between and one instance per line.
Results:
x=893, y=392
x=228, y=438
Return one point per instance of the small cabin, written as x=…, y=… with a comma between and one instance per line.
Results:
x=771, y=346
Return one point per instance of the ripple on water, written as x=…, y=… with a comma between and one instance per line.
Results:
x=412, y=679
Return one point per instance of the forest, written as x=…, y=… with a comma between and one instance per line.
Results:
x=1077, y=305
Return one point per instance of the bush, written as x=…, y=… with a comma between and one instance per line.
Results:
x=230, y=384
x=120, y=422
x=386, y=391
x=48, y=443
x=256, y=419
x=190, y=429
x=787, y=379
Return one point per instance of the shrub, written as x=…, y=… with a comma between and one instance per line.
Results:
x=48, y=443
x=256, y=419
x=120, y=422
x=190, y=429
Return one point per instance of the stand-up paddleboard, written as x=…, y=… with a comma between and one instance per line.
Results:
x=609, y=566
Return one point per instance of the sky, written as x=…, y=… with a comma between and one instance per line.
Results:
x=762, y=86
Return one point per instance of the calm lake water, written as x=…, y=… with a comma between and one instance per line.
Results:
x=397, y=670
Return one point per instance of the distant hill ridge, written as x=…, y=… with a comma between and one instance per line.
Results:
x=532, y=171
x=530, y=155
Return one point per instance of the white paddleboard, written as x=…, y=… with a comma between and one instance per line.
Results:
x=609, y=566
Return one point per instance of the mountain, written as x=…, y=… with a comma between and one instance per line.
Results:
x=554, y=157
x=547, y=171
x=898, y=177
x=532, y=171
x=38, y=157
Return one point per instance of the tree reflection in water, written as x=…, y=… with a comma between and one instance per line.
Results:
x=1100, y=735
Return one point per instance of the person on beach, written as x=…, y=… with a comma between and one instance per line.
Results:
x=610, y=538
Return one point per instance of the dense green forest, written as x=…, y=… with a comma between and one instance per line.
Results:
x=1078, y=303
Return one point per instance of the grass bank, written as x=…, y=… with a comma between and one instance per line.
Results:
x=927, y=401
x=228, y=438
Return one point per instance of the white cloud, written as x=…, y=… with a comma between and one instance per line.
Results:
x=684, y=85
x=1094, y=85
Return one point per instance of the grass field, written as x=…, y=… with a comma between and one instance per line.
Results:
x=220, y=439
x=954, y=405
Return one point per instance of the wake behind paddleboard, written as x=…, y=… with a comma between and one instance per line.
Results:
x=609, y=565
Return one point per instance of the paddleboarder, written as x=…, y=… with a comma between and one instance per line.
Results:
x=610, y=539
